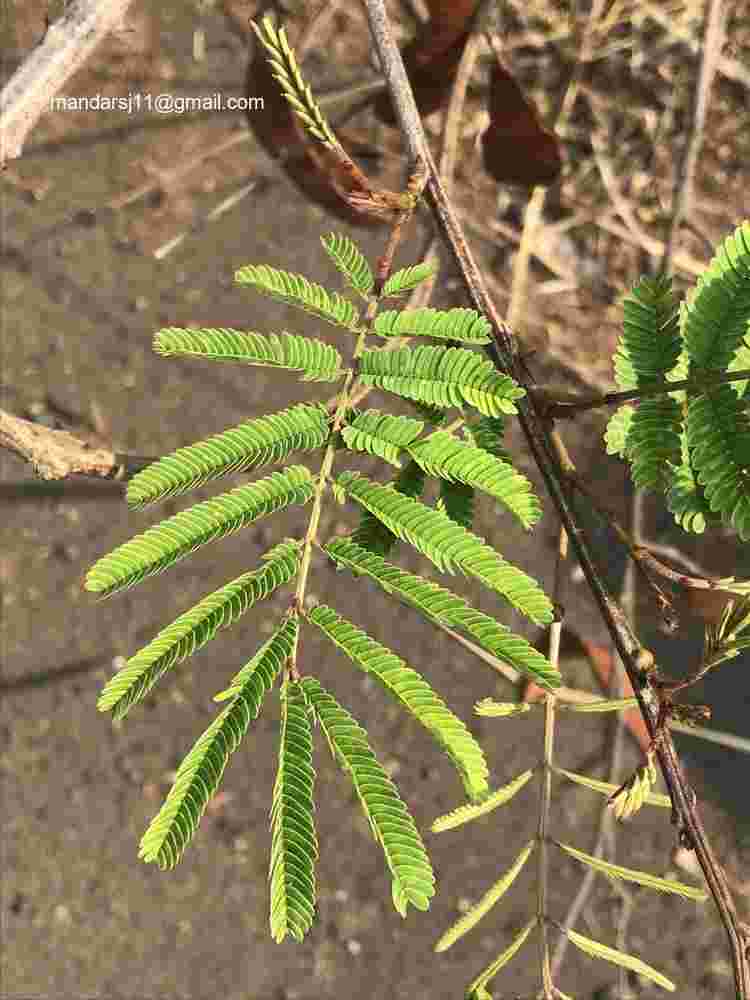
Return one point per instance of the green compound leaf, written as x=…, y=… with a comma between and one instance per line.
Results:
x=598, y=950
x=485, y=904
x=192, y=630
x=718, y=434
x=407, y=278
x=472, y=811
x=650, y=343
x=178, y=536
x=452, y=324
x=408, y=688
x=199, y=774
x=715, y=316
x=318, y=361
x=653, y=442
x=294, y=847
x=295, y=290
x=648, y=350
x=632, y=875
x=441, y=376
x=381, y=434
x=371, y=533
x=350, y=260
x=450, y=547
x=685, y=497
x=441, y=605
x=618, y=428
x=257, y=442
x=449, y=458
x=389, y=819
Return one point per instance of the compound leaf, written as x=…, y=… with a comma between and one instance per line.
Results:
x=176, y=537
x=453, y=324
x=442, y=455
x=350, y=260
x=450, y=547
x=443, y=606
x=390, y=821
x=193, y=629
x=294, y=848
x=199, y=774
x=485, y=904
x=441, y=376
x=406, y=686
x=295, y=290
x=257, y=442
x=318, y=361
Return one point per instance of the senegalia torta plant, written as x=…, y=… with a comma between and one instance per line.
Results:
x=435, y=379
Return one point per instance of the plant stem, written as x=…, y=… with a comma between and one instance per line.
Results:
x=563, y=405
x=416, y=184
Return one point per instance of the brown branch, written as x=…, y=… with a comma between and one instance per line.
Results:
x=715, y=591
x=57, y=454
x=562, y=404
x=536, y=430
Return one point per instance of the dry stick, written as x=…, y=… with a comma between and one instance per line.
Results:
x=66, y=46
x=316, y=24
x=536, y=431
x=685, y=172
x=56, y=454
x=200, y=223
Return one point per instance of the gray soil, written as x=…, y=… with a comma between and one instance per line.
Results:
x=81, y=915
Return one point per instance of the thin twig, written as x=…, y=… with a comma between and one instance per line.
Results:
x=687, y=162
x=56, y=454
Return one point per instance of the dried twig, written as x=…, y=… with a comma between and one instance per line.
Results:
x=685, y=171
x=66, y=46
x=56, y=454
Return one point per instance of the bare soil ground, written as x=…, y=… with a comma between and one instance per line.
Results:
x=82, y=296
